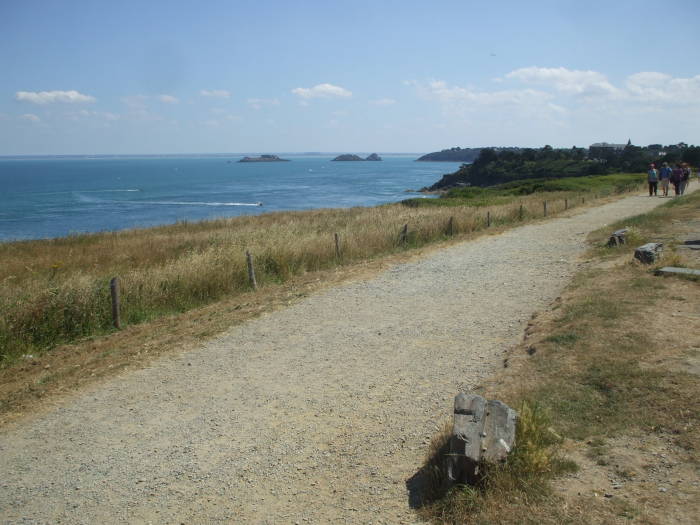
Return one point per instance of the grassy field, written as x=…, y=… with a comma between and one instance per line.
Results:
x=609, y=376
x=57, y=291
x=500, y=194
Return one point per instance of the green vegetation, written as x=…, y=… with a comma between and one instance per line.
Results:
x=499, y=166
x=572, y=188
x=452, y=155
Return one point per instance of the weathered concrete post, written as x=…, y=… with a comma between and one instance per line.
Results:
x=114, y=292
x=483, y=431
x=251, y=270
x=465, y=443
x=403, y=237
x=337, y=245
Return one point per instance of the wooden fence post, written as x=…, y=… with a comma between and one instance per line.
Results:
x=488, y=219
x=337, y=246
x=450, y=226
x=114, y=291
x=583, y=200
x=251, y=270
x=545, y=208
x=404, y=234
x=520, y=213
x=566, y=204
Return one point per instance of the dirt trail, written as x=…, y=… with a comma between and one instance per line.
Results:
x=317, y=413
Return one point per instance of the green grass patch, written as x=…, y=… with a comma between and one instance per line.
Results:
x=577, y=189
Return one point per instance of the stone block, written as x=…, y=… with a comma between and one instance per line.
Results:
x=483, y=431
x=672, y=270
x=649, y=253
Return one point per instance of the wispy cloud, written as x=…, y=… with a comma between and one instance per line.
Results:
x=443, y=92
x=135, y=101
x=322, y=91
x=569, y=81
x=660, y=87
x=259, y=103
x=215, y=93
x=84, y=113
x=49, y=97
x=168, y=99
x=593, y=86
x=30, y=117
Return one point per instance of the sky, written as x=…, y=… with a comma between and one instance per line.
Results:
x=106, y=77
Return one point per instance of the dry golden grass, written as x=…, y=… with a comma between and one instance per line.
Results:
x=56, y=291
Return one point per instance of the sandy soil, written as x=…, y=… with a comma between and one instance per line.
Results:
x=317, y=413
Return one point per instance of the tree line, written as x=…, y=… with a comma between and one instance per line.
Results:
x=498, y=166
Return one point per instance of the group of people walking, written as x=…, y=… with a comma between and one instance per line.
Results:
x=678, y=176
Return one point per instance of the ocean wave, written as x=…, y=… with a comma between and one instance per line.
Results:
x=108, y=191
x=197, y=203
x=85, y=191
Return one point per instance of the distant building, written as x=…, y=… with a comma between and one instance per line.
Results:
x=601, y=150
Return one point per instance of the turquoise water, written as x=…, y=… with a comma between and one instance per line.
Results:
x=53, y=197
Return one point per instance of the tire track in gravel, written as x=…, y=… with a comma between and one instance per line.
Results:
x=317, y=413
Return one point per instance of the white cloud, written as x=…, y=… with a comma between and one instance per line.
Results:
x=383, y=102
x=659, y=87
x=574, y=82
x=322, y=91
x=30, y=117
x=441, y=91
x=215, y=93
x=48, y=97
x=168, y=99
x=259, y=103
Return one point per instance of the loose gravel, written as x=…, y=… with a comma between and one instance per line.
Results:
x=317, y=413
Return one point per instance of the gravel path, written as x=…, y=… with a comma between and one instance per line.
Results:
x=317, y=413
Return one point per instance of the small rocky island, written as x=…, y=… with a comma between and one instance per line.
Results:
x=263, y=158
x=349, y=157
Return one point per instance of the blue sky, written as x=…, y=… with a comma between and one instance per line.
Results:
x=390, y=76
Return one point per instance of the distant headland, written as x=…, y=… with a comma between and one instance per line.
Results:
x=452, y=155
x=263, y=158
x=349, y=157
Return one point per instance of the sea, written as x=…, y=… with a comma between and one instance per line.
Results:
x=47, y=197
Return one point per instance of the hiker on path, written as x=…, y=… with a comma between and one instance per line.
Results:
x=676, y=176
x=685, y=177
x=665, y=177
x=653, y=179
